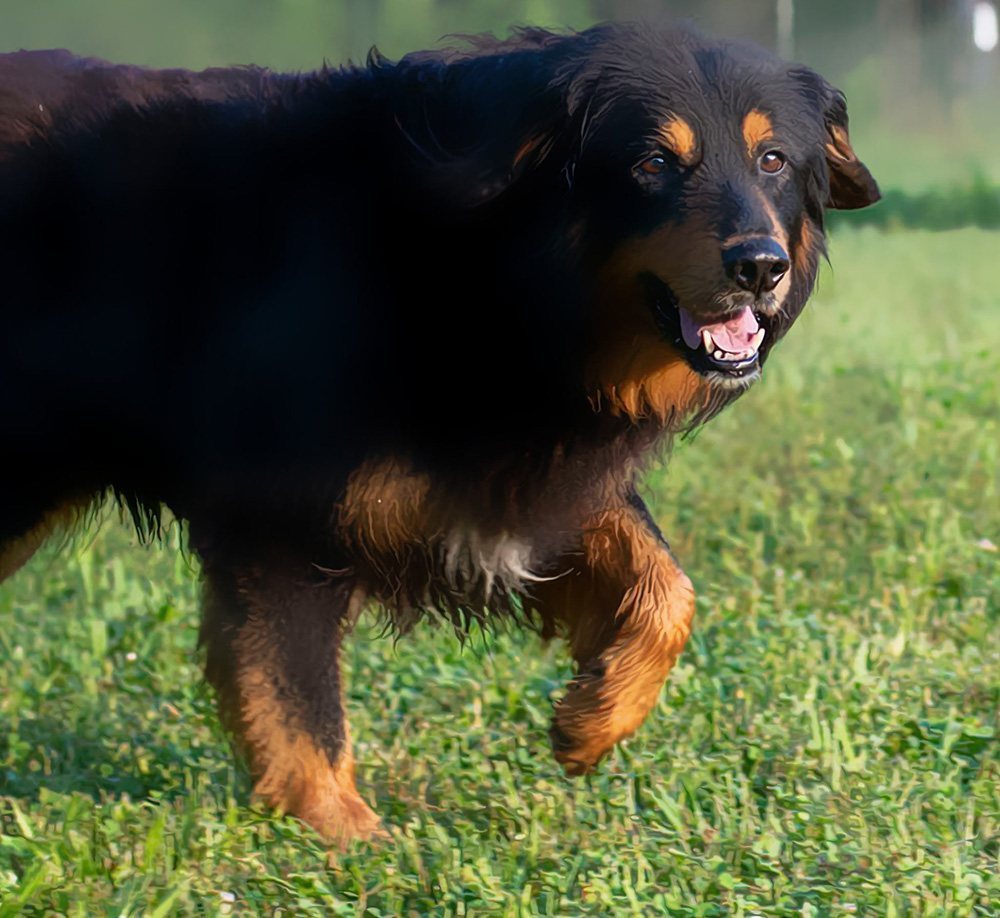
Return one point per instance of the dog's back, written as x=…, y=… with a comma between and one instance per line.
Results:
x=173, y=263
x=212, y=279
x=43, y=90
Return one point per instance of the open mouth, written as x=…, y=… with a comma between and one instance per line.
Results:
x=727, y=345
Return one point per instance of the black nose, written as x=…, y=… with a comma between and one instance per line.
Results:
x=757, y=266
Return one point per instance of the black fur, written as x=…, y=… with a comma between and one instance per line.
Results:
x=224, y=292
x=209, y=300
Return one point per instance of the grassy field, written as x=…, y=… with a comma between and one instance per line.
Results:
x=827, y=744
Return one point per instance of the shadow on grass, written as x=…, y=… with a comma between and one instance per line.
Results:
x=42, y=754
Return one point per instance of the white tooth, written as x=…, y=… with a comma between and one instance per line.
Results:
x=756, y=339
x=718, y=355
x=706, y=339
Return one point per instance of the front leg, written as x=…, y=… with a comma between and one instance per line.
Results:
x=626, y=607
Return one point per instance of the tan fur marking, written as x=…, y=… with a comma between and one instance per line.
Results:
x=678, y=136
x=17, y=552
x=840, y=144
x=294, y=776
x=628, y=609
x=780, y=234
x=777, y=228
x=757, y=127
x=647, y=377
x=805, y=251
x=292, y=773
x=636, y=372
x=541, y=145
x=383, y=510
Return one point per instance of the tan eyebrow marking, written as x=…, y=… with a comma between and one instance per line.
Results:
x=679, y=137
x=757, y=127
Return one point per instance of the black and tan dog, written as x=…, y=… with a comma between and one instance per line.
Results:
x=402, y=334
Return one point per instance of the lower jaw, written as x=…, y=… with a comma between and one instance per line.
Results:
x=722, y=379
x=739, y=373
x=716, y=373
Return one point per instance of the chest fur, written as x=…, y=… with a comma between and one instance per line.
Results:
x=417, y=547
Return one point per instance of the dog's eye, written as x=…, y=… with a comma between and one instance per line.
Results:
x=654, y=165
x=772, y=162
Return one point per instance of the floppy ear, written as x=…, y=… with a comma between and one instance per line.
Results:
x=851, y=184
x=478, y=120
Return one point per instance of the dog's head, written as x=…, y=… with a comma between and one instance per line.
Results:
x=692, y=177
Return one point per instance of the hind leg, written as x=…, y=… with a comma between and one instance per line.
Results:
x=24, y=528
x=626, y=608
x=272, y=635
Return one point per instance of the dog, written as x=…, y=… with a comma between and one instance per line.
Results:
x=402, y=334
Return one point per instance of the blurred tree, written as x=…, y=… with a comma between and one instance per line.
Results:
x=753, y=19
x=900, y=21
x=362, y=19
x=785, y=15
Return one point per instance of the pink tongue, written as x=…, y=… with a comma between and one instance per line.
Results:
x=732, y=335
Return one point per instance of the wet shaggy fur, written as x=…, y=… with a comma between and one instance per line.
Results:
x=400, y=334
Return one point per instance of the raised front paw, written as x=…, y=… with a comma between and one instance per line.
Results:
x=586, y=724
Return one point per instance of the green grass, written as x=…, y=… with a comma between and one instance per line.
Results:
x=826, y=745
